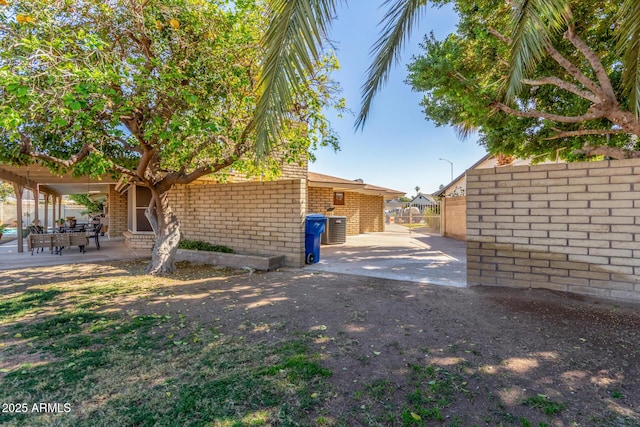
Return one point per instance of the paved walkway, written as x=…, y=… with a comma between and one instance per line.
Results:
x=395, y=254
x=399, y=255
x=110, y=250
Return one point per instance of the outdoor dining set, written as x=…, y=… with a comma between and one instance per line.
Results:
x=73, y=234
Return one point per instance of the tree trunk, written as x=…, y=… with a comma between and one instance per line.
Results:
x=166, y=227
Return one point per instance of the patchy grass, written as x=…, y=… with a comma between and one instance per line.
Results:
x=105, y=344
x=544, y=404
x=431, y=390
x=105, y=366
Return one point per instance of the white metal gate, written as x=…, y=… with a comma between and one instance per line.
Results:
x=423, y=218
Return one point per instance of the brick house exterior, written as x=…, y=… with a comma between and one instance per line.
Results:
x=261, y=217
x=363, y=204
x=251, y=216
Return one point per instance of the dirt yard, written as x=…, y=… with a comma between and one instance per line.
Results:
x=508, y=356
x=410, y=354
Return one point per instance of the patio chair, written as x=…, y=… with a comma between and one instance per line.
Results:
x=59, y=241
x=39, y=242
x=36, y=229
x=95, y=234
x=78, y=239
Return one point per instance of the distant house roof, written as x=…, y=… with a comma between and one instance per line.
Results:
x=423, y=199
x=441, y=192
x=357, y=186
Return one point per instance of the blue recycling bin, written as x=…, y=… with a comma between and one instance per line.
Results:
x=315, y=224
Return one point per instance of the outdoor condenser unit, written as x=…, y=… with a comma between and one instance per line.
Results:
x=336, y=230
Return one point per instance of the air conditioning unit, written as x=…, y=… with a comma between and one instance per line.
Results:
x=336, y=230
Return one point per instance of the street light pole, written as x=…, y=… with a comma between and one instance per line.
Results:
x=450, y=162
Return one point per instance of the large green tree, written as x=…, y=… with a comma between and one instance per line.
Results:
x=162, y=92
x=568, y=67
x=559, y=94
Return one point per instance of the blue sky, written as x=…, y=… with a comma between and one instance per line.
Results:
x=398, y=148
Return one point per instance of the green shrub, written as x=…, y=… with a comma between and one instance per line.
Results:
x=199, y=245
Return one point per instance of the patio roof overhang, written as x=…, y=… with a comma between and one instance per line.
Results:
x=35, y=176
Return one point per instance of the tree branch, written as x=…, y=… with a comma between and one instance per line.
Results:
x=594, y=61
x=499, y=35
x=613, y=152
x=548, y=116
x=26, y=149
x=572, y=133
x=562, y=84
x=240, y=150
x=145, y=160
x=116, y=167
x=567, y=65
x=573, y=70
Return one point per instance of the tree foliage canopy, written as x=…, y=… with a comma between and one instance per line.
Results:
x=162, y=92
x=534, y=78
x=157, y=90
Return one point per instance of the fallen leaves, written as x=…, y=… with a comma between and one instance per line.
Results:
x=23, y=19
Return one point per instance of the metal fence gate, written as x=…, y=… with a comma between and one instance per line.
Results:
x=422, y=218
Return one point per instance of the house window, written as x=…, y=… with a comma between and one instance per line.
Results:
x=139, y=199
x=338, y=198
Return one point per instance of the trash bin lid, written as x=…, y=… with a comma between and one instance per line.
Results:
x=316, y=217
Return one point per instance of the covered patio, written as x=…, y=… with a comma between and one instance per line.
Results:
x=110, y=250
x=47, y=190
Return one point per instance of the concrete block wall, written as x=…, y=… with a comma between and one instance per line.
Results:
x=365, y=213
x=258, y=218
x=569, y=227
x=454, y=217
x=116, y=212
x=139, y=241
x=371, y=213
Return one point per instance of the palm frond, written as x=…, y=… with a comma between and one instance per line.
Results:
x=293, y=44
x=533, y=23
x=628, y=46
x=465, y=130
x=400, y=19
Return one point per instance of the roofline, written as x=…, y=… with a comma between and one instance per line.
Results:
x=346, y=185
x=446, y=187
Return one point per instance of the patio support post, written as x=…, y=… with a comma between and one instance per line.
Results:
x=46, y=212
x=59, y=207
x=36, y=205
x=18, y=189
x=54, y=217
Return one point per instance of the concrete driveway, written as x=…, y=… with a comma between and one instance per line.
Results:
x=398, y=255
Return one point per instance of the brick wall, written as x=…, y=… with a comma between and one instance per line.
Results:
x=454, y=217
x=259, y=218
x=139, y=241
x=371, y=213
x=117, y=212
x=570, y=227
x=365, y=213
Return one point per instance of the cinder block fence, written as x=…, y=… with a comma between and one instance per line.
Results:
x=570, y=227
